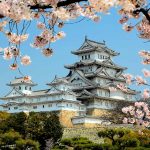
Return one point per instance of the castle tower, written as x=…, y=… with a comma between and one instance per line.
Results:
x=94, y=74
x=70, y=106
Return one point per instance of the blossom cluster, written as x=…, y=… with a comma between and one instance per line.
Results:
x=14, y=52
x=139, y=114
x=19, y=13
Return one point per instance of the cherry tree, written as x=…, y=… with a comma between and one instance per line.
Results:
x=16, y=16
x=139, y=113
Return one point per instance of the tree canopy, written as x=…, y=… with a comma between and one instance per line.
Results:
x=52, y=15
x=39, y=130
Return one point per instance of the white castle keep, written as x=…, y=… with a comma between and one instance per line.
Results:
x=80, y=98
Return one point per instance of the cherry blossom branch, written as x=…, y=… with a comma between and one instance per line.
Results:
x=144, y=11
x=60, y=4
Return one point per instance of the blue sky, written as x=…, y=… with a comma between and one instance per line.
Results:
x=42, y=69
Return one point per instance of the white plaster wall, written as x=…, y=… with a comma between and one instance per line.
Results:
x=86, y=120
x=45, y=107
x=111, y=72
x=101, y=81
x=117, y=95
x=103, y=105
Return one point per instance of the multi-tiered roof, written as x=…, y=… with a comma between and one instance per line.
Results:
x=99, y=57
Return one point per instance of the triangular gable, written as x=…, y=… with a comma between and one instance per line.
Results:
x=101, y=71
x=111, y=63
x=85, y=45
x=78, y=77
x=85, y=93
x=13, y=93
x=53, y=89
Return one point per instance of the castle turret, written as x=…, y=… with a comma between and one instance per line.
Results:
x=94, y=74
x=21, y=85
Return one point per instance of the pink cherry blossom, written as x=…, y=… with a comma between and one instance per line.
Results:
x=27, y=78
x=40, y=25
x=146, y=73
x=125, y=110
x=25, y=60
x=112, y=89
x=60, y=35
x=122, y=87
x=13, y=66
x=7, y=54
x=132, y=120
x=146, y=94
x=128, y=28
x=140, y=80
x=128, y=78
x=125, y=120
x=47, y=52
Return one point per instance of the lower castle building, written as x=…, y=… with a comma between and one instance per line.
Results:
x=80, y=98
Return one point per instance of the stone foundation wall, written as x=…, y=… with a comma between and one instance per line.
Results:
x=91, y=133
x=98, y=112
x=65, y=117
x=87, y=125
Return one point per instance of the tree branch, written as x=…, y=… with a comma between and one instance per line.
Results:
x=60, y=4
x=144, y=11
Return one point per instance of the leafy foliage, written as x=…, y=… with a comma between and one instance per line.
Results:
x=122, y=138
x=33, y=131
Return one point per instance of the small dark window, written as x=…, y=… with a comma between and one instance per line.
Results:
x=30, y=88
x=43, y=106
x=15, y=107
x=34, y=107
x=19, y=87
x=9, y=108
x=25, y=87
x=89, y=56
x=82, y=57
x=85, y=57
x=50, y=105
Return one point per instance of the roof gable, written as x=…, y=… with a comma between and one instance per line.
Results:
x=85, y=93
x=78, y=77
x=14, y=93
x=85, y=45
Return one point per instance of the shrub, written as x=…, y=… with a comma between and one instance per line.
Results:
x=67, y=142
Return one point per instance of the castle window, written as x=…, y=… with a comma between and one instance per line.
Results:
x=19, y=87
x=34, y=107
x=43, y=106
x=9, y=108
x=89, y=56
x=100, y=92
x=25, y=87
x=82, y=57
x=85, y=56
x=30, y=88
x=50, y=105
x=15, y=107
x=106, y=103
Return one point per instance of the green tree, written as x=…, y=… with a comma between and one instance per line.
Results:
x=22, y=144
x=17, y=122
x=45, y=128
x=13, y=140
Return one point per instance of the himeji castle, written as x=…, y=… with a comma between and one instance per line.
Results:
x=80, y=98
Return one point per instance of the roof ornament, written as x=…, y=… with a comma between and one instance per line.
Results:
x=104, y=42
x=55, y=76
x=86, y=38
